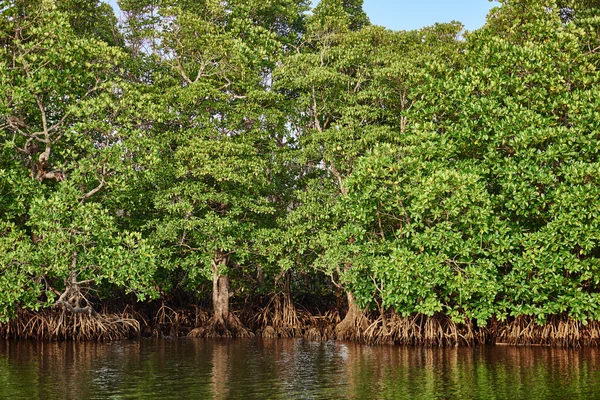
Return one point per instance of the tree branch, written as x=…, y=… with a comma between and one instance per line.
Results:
x=97, y=188
x=69, y=300
x=339, y=178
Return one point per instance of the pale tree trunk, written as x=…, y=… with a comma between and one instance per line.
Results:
x=223, y=323
x=220, y=294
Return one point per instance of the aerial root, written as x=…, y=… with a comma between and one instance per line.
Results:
x=216, y=327
x=556, y=331
x=279, y=318
x=62, y=325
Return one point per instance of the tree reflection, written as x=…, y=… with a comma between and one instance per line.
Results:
x=283, y=369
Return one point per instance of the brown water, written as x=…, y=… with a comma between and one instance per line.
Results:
x=291, y=369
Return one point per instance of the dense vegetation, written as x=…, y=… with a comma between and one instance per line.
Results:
x=437, y=186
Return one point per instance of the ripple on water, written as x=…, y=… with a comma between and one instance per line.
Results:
x=291, y=369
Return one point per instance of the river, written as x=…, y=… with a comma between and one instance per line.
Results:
x=291, y=369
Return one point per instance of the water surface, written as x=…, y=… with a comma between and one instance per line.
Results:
x=291, y=369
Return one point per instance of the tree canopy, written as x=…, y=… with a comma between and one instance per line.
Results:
x=256, y=150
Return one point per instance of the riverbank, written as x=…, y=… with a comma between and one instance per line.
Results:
x=279, y=319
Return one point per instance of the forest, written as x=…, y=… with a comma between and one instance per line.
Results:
x=261, y=167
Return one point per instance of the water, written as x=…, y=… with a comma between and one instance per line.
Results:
x=291, y=369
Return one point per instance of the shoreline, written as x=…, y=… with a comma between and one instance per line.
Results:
x=192, y=321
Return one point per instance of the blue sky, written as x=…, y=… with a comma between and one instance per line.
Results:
x=414, y=14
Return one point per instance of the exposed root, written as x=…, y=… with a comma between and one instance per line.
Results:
x=438, y=330
x=62, y=325
x=354, y=324
x=276, y=321
x=269, y=332
x=314, y=334
x=418, y=330
x=557, y=331
x=169, y=322
x=320, y=327
x=222, y=328
x=281, y=316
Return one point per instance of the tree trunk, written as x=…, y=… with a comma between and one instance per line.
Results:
x=220, y=295
x=354, y=323
x=222, y=323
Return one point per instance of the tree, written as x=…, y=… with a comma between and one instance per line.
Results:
x=62, y=146
x=520, y=112
x=352, y=88
x=91, y=19
x=216, y=141
x=346, y=13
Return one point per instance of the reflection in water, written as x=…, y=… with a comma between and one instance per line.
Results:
x=290, y=369
x=220, y=371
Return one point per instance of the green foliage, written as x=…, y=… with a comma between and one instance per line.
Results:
x=214, y=160
x=336, y=14
x=62, y=149
x=92, y=19
x=431, y=171
x=519, y=116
